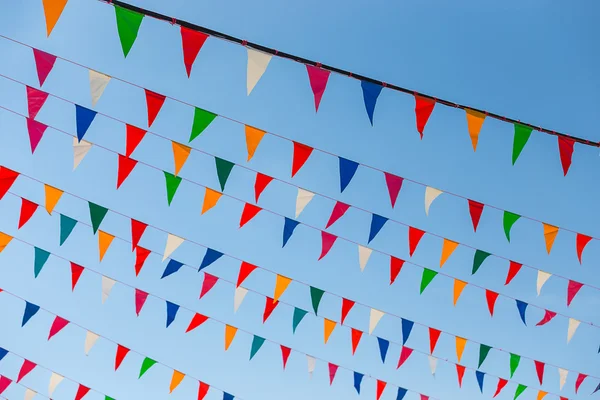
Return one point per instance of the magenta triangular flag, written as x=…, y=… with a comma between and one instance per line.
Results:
x=36, y=131
x=58, y=324
x=327, y=241
x=43, y=63
x=394, y=184
x=318, y=78
x=35, y=101
x=140, y=300
x=572, y=290
x=338, y=211
x=208, y=283
x=26, y=368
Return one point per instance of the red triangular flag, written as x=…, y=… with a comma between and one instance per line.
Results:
x=197, y=320
x=120, y=355
x=380, y=388
x=404, y=354
x=414, y=237
x=565, y=150
x=356, y=335
x=582, y=241
x=154, y=102
x=249, y=212
x=501, y=384
x=133, y=137
x=539, y=368
x=27, y=210
x=245, y=270
x=81, y=392
x=318, y=78
x=301, y=154
x=395, y=268
x=338, y=210
x=460, y=371
x=394, y=184
x=424, y=397
x=137, y=230
x=43, y=63
x=26, y=368
x=58, y=324
x=327, y=241
x=475, y=209
x=491, y=298
x=35, y=101
x=36, y=131
x=572, y=290
x=208, y=283
x=140, y=300
x=423, y=109
x=4, y=383
x=76, y=271
x=7, y=178
x=434, y=335
x=346, y=307
x=270, y=305
x=580, y=378
x=547, y=318
x=191, y=41
x=285, y=354
x=332, y=370
x=202, y=390
x=126, y=165
x=513, y=270
x=260, y=184
x=140, y=258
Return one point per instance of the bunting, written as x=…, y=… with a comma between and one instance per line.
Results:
x=363, y=256
x=312, y=362
x=104, y=241
x=405, y=353
x=245, y=270
x=300, y=155
x=522, y=307
x=140, y=300
x=197, y=320
x=154, y=102
x=460, y=372
x=208, y=283
x=427, y=277
x=339, y=209
x=146, y=365
x=43, y=64
x=346, y=307
x=581, y=241
x=371, y=92
x=548, y=316
x=257, y=65
x=347, y=170
x=522, y=134
x=407, y=326
x=394, y=184
x=539, y=370
x=448, y=248
x=202, y=119
x=430, y=195
x=396, y=265
x=285, y=354
x=172, y=310
x=107, y=285
x=501, y=384
x=380, y=388
x=28, y=208
x=327, y=241
x=459, y=286
x=289, y=226
x=224, y=168
x=318, y=82
x=97, y=214
x=81, y=392
x=297, y=318
x=478, y=259
x=122, y=351
x=328, y=327
x=414, y=237
x=491, y=298
x=211, y=197
x=248, y=213
x=98, y=83
x=133, y=137
x=257, y=343
x=191, y=43
x=332, y=371
x=180, y=155
x=316, y=295
x=52, y=195
x=76, y=271
x=261, y=182
x=475, y=121
x=210, y=257
x=520, y=389
x=128, y=25
x=4, y=383
x=573, y=325
x=423, y=109
x=35, y=101
x=124, y=168
x=434, y=335
x=302, y=199
x=40, y=258
x=83, y=119
x=281, y=284
x=358, y=377
x=4, y=240
x=384, y=345
x=550, y=233
x=7, y=178
x=513, y=270
x=572, y=290
x=141, y=255
x=377, y=222
x=238, y=297
x=374, y=318
x=509, y=220
x=542, y=277
x=475, y=210
x=137, y=230
x=483, y=353
x=173, y=242
x=57, y=325
x=55, y=380
x=460, y=347
x=515, y=359
x=52, y=11
x=36, y=131
x=80, y=149
x=565, y=151
x=26, y=368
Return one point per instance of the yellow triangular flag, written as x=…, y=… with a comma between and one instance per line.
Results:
x=52, y=11
x=104, y=241
x=180, y=155
x=474, y=121
x=230, y=332
x=52, y=196
x=541, y=395
x=4, y=240
x=447, y=249
x=458, y=288
x=550, y=232
x=460, y=347
x=329, y=326
x=253, y=138
x=176, y=380
x=211, y=197
x=281, y=283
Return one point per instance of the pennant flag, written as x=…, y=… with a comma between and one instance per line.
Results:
x=154, y=102
x=52, y=11
x=36, y=131
x=140, y=300
x=197, y=320
x=318, y=78
x=459, y=286
x=406, y=329
x=460, y=372
x=312, y=362
x=298, y=316
x=230, y=332
x=394, y=184
x=257, y=65
x=414, y=237
x=43, y=64
x=315, y=297
x=55, y=379
x=172, y=309
x=509, y=220
x=448, y=248
x=26, y=368
x=173, y=183
x=541, y=395
x=202, y=119
x=260, y=184
x=501, y=384
x=371, y=92
x=301, y=154
x=52, y=196
x=483, y=353
x=374, y=318
x=245, y=270
x=304, y=197
x=180, y=155
x=7, y=178
x=224, y=168
x=97, y=214
x=124, y=168
x=248, y=213
x=432, y=365
x=29, y=394
x=176, y=378
x=107, y=285
x=133, y=137
x=401, y=393
x=211, y=197
x=423, y=109
x=513, y=270
x=478, y=259
x=520, y=389
x=363, y=256
x=380, y=388
x=572, y=290
x=405, y=353
x=428, y=275
x=208, y=283
x=542, y=277
x=40, y=258
x=430, y=195
x=76, y=271
x=66, y=227
x=285, y=354
x=384, y=345
x=27, y=210
x=522, y=307
x=288, y=229
x=339, y=209
x=358, y=377
x=35, y=101
x=573, y=325
x=475, y=210
x=281, y=284
x=83, y=118
x=210, y=257
x=146, y=365
x=257, y=343
x=563, y=373
x=395, y=268
x=253, y=139
x=550, y=233
x=104, y=241
x=141, y=255
x=327, y=241
x=377, y=222
x=98, y=83
x=128, y=25
x=80, y=149
x=82, y=390
x=548, y=315
x=522, y=134
x=328, y=327
x=238, y=297
x=173, y=242
x=539, y=369
x=582, y=241
x=460, y=347
x=332, y=370
x=565, y=150
x=515, y=359
x=347, y=170
x=491, y=298
x=137, y=230
x=474, y=122
x=191, y=42
x=57, y=325
x=346, y=307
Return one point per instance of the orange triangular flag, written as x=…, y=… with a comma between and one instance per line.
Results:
x=474, y=122
x=253, y=138
x=447, y=249
x=104, y=241
x=460, y=347
x=180, y=155
x=4, y=240
x=52, y=196
x=550, y=232
x=176, y=380
x=281, y=283
x=541, y=395
x=52, y=11
x=458, y=288
x=230, y=332
x=329, y=326
x=211, y=197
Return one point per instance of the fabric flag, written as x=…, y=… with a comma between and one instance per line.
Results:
x=238, y=297
x=302, y=199
x=548, y=316
x=380, y=388
x=300, y=155
x=208, y=283
x=80, y=149
x=28, y=208
x=328, y=327
x=565, y=150
x=459, y=286
x=423, y=109
x=539, y=370
x=572, y=290
x=542, y=277
x=146, y=365
x=52, y=195
x=76, y=271
x=248, y=213
x=406, y=329
x=405, y=353
x=137, y=230
x=581, y=241
x=474, y=123
x=316, y=295
x=35, y=101
x=384, y=345
x=197, y=320
x=332, y=370
x=257, y=343
x=7, y=178
x=318, y=78
x=97, y=214
x=460, y=372
x=172, y=183
x=260, y=184
x=128, y=25
x=57, y=325
x=339, y=209
x=478, y=259
x=176, y=379
x=347, y=170
x=257, y=65
x=26, y=368
x=36, y=131
x=346, y=307
x=509, y=220
x=154, y=102
x=172, y=309
x=522, y=134
x=81, y=390
x=55, y=379
x=396, y=265
x=377, y=222
x=43, y=64
x=245, y=270
x=427, y=277
x=191, y=42
x=394, y=184
x=210, y=257
x=211, y=197
x=202, y=119
x=371, y=92
x=224, y=168
x=483, y=353
x=522, y=307
x=414, y=237
x=141, y=254
x=124, y=168
x=430, y=195
x=563, y=373
x=281, y=284
x=40, y=258
x=312, y=362
x=460, y=347
x=374, y=318
x=475, y=210
x=98, y=83
x=140, y=300
x=501, y=384
x=515, y=359
x=364, y=253
x=573, y=325
x=285, y=354
x=253, y=139
x=327, y=241
x=29, y=394
x=4, y=383
x=550, y=233
x=434, y=335
x=227, y=396
x=520, y=389
x=448, y=248
x=513, y=270
x=173, y=242
x=541, y=395
x=491, y=298
x=289, y=226
x=133, y=137
x=401, y=393
x=83, y=118
x=432, y=364
x=104, y=241
x=52, y=11
x=297, y=318
x=107, y=285
x=180, y=155
x=358, y=377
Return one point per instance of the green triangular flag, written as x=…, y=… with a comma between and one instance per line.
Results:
x=479, y=258
x=522, y=134
x=298, y=315
x=146, y=364
x=97, y=214
x=66, y=227
x=520, y=389
x=257, y=342
x=315, y=296
x=40, y=258
x=108, y=398
x=483, y=353
x=128, y=25
x=428, y=275
x=509, y=221
x=224, y=168
x=515, y=359
x=172, y=185
x=202, y=120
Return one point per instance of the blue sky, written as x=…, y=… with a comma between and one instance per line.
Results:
x=528, y=61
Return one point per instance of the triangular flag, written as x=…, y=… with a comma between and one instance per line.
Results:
x=501, y=384
x=80, y=149
x=513, y=270
x=137, y=230
x=146, y=365
x=288, y=229
x=82, y=390
x=35, y=101
x=175, y=380
x=405, y=353
x=281, y=284
x=141, y=254
x=430, y=195
x=181, y=153
x=124, y=168
x=423, y=109
x=327, y=241
x=380, y=388
x=347, y=170
x=172, y=309
x=565, y=150
x=491, y=298
x=358, y=377
x=76, y=271
x=133, y=137
x=480, y=378
x=172, y=183
x=581, y=241
x=332, y=370
x=257, y=343
x=249, y=212
x=245, y=270
x=316, y=295
x=230, y=332
x=83, y=118
x=520, y=389
x=253, y=139
x=191, y=42
x=328, y=327
x=478, y=259
x=377, y=222
x=371, y=92
x=539, y=370
x=302, y=199
x=104, y=241
x=550, y=233
x=432, y=364
x=548, y=316
x=224, y=168
x=43, y=64
x=52, y=196
x=573, y=325
x=301, y=154
x=460, y=372
x=154, y=102
x=384, y=345
x=128, y=25
x=238, y=297
x=474, y=122
x=346, y=307
x=260, y=184
x=210, y=257
x=515, y=359
x=407, y=326
x=395, y=268
x=26, y=368
x=394, y=184
x=211, y=197
x=475, y=210
x=57, y=325
x=483, y=353
x=55, y=379
x=448, y=248
x=339, y=209
x=227, y=396
x=522, y=134
x=90, y=340
x=509, y=220
x=98, y=83
x=140, y=300
x=401, y=393
x=97, y=214
x=285, y=354
x=40, y=258
x=107, y=285
x=30, y=394
x=541, y=395
x=414, y=237
x=208, y=283
x=312, y=362
x=459, y=286
x=374, y=318
x=197, y=320
x=66, y=227
x=542, y=277
x=427, y=277
x=173, y=242
x=522, y=307
x=257, y=65
x=202, y=119
x=434, y=335
x=460, y=347
x=363, y=256
x=298, y=316
x=36, y=131
x=27, y=210
x=563, y=373
x=52, y=11
x=572, y=290
x=318, y=78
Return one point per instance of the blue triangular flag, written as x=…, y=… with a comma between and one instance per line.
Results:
x=597, y=388
x=83, y=118
x=522, y=306
x=288, y=228
x=3, y=353
x=383, y=348
x=172, y=267
x=480, y=375
x=209, y=257
x=227, y=396
x=371, y=92
x=357, y=381
x=30, y=310
x=406, y=328
x=401, y=393
x=347, y=171
x=377, y=222
x=172, y=309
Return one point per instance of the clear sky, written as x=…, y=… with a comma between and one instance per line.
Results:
x=533, y=62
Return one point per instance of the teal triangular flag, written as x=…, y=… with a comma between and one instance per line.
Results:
x=257, y=343
x=66, y=227
x=40, y=258
x=298, y=315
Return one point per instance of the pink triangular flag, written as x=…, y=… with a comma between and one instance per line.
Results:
x=327, y=240
x=4, y=383
x=35, y=101
x=36, y=131
x=58, y=324
x=43, y=63
x=208, y=283
x=404, y=354
x=548, y=316
x=394, y=184
x=140, y=300
x=332, y=370
x=572, y=290
x=26, y=368
x=318, y=82
x=339, y=209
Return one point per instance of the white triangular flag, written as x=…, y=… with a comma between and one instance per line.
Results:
x=304, y=197
x=374, y=319
x=541, y=279
x=238, y=297
x=563, y=377
x=55, y=379
x=107, y=285
x=257, y=65
x=432, y=364
x=430, y=195
x=173, y=242
x=80, y=149
x=311, y=365
x=573, y=325
x=29, y=394
x=90, y=340
x=363, y=256
x=98, y=83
